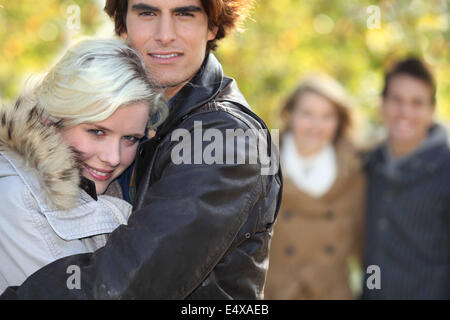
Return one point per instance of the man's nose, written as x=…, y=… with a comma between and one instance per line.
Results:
x=166, y=30
x=404, y=109
x=110, y=155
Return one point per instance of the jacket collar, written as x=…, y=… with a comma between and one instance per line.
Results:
x=205, y=85
x=424, y=161
x=85, y=218
x=437, y=136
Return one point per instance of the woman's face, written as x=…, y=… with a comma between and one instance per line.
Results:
x=108, y=147
x=314, y=122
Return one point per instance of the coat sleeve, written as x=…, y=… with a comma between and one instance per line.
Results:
x=191, y=217
x=23, y=246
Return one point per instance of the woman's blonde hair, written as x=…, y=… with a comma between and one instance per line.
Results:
x=92, y=80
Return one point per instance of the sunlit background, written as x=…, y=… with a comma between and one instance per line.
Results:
x=353, y=41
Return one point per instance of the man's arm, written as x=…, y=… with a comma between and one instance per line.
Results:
x=169, y=246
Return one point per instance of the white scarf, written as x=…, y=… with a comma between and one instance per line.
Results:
x=314, y=174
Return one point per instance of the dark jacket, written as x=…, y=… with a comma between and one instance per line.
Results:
x=408, y=222
x=198, y=231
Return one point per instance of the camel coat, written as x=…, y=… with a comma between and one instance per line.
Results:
x=314, y=237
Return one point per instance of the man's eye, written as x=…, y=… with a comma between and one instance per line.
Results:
x=394, y=100
x=96, y=132
x=146, y=13
x=131, y=138
x=185, y=14
x=419, y=103
x=304, y=113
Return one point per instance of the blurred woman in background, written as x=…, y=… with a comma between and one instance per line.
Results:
x=320, y=221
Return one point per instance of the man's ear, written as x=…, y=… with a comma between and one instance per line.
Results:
x=212, y=33
x=382, y=110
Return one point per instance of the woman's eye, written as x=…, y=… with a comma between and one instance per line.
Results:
x=96, y=132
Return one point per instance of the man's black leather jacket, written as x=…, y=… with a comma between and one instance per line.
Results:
x=198, y=231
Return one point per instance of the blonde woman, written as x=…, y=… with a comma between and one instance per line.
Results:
x=319, y=226
x=61, y=146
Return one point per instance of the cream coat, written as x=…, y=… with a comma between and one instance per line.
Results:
x=44, y=215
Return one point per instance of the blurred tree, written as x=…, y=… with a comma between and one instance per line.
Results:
x=283, y=40
x=32, y=33
x=286, y=39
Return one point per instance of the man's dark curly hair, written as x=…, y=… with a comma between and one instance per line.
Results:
x=413, y=67
x=224, y=14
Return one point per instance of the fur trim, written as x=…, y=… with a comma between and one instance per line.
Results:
x=22, y=130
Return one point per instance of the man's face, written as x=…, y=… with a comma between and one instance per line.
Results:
x=171, y=35
x=407, y=110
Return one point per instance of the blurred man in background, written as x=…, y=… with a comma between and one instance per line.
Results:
x=408, y=220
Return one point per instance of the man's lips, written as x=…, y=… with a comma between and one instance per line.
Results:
x=98, y=174
x=165, y=57
x=403, y=125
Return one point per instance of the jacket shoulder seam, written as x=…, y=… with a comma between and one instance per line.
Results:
x=216, y=106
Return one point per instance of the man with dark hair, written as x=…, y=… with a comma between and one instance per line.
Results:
x=408, y=220
x=199, y=230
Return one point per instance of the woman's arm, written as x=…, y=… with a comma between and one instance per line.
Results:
x=23, y=249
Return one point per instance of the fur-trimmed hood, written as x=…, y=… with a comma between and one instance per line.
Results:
x=42, y=148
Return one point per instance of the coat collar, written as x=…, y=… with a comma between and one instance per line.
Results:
x=89, y=217
x=209, y=83
x=425, y=161
x=348, y=167
x=205, y=85
x=38, y=150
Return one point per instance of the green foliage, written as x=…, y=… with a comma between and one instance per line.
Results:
x=283, y=40
x=32, y=33
x=286, y=39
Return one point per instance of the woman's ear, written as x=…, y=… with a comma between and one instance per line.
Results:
x=286, y=116
x=46, y=121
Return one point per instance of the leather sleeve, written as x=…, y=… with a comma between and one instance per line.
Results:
x=191, y=216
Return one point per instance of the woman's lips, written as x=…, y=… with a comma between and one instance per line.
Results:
x=97, y=174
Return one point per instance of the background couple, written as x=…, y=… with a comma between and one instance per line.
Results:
x=198, y=231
